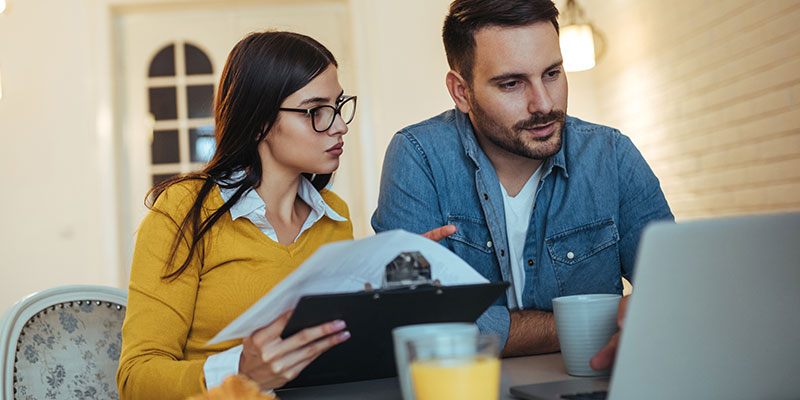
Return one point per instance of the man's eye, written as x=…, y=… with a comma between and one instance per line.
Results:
x=509, y=85
x=554, y=73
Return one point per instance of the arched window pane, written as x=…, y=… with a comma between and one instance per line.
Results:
x=163, y=63
x=165, y=147
x=197, y=62
x=163, y=103
x=199, y=99
x=158, y=178
x=202, y=143
x=171, y=151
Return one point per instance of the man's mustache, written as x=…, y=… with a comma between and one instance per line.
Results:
x=539, y=118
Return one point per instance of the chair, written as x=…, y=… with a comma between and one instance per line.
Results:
x=62, y=343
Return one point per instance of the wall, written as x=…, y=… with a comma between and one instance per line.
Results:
x=709, y=91
x=401, y=67
x=52, y=205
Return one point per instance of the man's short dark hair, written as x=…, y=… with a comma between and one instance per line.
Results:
x=469, y=16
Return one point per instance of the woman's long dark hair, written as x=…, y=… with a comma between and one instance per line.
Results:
x=262, y=70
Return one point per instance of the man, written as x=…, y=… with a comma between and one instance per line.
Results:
x=550, y=203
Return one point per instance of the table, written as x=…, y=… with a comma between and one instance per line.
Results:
x=515, y=371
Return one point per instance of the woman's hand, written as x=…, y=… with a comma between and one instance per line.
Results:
x=440, y=232
x=271, y=361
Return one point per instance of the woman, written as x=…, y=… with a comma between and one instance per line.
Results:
x=217, y=240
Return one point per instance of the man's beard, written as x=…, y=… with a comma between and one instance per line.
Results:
x=515, y=140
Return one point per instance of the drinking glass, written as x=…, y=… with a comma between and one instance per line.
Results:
x=403, y=334
x=455, y=367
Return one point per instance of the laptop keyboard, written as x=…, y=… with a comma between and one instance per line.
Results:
x=599, y=395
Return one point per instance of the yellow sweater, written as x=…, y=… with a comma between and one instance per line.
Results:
x=169, y=322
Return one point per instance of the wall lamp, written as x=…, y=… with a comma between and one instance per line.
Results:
x=578, y=37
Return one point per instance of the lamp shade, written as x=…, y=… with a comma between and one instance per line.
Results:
x=2, y=6
x=577, y=47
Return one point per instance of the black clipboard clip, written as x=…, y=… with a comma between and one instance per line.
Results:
x=409, y=270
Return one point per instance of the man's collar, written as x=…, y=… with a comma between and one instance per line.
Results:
x=560, y=159
x=468, y=139
x=471, y=147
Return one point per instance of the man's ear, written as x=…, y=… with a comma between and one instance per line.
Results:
x=458, y=88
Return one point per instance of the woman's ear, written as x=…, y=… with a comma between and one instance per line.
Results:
x=263, y=134
x=458, y=88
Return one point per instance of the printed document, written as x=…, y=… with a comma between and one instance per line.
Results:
x=345, y=266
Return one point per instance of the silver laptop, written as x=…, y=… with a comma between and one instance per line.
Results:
x=715, y=314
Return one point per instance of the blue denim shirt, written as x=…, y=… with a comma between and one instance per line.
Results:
x=595, y=197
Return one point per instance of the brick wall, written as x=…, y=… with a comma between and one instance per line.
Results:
x=710, y=93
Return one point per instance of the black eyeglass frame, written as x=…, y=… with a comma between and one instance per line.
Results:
x=336, y=110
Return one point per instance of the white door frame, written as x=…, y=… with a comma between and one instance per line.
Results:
x=113, y=190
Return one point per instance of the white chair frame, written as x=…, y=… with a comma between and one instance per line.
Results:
x=22, y=311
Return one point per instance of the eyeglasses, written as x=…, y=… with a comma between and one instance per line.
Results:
x=322, y=117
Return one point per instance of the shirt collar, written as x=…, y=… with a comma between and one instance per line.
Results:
x=471, y=147
x=251, y=202
x=313, y=198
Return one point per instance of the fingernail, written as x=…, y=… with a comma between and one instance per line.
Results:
x=343, y=336
x=338, y=324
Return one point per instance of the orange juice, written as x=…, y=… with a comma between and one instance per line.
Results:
x=462, y=379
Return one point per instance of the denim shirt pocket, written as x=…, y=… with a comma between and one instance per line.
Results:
x=586, y=258
x=471, y=231
x=472, y=242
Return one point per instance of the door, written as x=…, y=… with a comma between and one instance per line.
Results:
x=169, y=59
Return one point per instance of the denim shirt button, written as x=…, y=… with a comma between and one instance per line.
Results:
x=489, y=244
x=570, y=255
x=530, y=261
x=485, y=196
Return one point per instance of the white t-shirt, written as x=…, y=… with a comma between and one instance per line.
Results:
x=518, y=216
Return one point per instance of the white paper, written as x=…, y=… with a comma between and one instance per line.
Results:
x=346, y=266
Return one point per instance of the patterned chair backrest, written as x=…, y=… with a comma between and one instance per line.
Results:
x=64, y=343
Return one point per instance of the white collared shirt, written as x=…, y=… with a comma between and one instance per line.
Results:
x=251, y=206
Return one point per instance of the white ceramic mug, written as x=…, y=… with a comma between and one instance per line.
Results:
x=585, y=323
x=401, y=335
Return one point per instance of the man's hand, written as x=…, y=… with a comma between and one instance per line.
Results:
x=440, y=232
x=604, y=358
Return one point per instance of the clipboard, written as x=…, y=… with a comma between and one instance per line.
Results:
x=371, y=315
